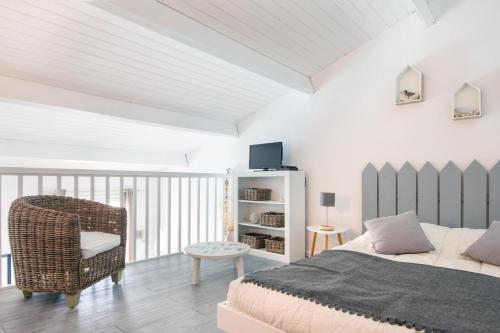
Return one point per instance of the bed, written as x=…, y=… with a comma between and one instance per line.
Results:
x=253, y=308
x=285, y=313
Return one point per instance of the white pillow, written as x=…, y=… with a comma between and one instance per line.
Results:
x=436, y=234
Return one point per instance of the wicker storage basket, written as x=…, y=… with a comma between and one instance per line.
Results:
x=260, y=194
x=273, y=219
x=275, y=244
x=254, y=240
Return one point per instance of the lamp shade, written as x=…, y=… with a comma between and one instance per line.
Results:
x=327, y=199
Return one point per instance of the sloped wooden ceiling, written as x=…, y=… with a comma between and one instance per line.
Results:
x=77, y=46
x=304, y=35
x=217, y=60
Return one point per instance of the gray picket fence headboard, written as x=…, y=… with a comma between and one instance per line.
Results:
x=450, y=197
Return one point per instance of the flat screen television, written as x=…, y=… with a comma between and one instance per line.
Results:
x=266, y=156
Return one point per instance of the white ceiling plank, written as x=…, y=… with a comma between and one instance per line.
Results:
x=269, y=22
x=370, y=15
x=424, y=12
x=290, y=22
x=347, y=7
x=304, y=35
x=80, y=47
x=17, y=148
x=89, y=80
x=68, y=38
x=276, y=36
x=173, y=91
x=439, y=7
x=173, y=24
x=160, y=47
x=36, y=123
x=29, y=92
x=335, y=31
x=212, y=17
x=408, y=6
x=336, y=13
x=92, y=86
x=216, y=60
x=382, y=9
x=310, y=23
x=400, y=8
x=224, y=19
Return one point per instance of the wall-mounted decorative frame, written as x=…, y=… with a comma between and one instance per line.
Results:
x=466, y=102
x=409, y=86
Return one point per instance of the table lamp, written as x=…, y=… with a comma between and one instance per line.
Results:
x=326, y=199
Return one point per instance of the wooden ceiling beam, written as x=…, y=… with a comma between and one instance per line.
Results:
x=158, y=17
x=21, y=91
x=424, y=11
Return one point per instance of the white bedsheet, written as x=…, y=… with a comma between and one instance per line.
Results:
x=295, y=315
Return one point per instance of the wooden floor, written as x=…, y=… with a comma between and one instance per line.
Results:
x=153, y=296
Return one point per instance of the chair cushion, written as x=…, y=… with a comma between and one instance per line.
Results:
x=95, y=242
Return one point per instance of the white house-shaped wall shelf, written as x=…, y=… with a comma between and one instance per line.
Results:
x=467, y=102
x=409, y=86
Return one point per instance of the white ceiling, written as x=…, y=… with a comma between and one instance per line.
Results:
x=96, y=48
x=439, y=7
x=304, y=35
x=76, y=46
x=28, y=123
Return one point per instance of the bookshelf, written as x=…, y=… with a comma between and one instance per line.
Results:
x=287, y=196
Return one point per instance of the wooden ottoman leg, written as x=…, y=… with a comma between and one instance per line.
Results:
x=117, y=276
x=238, y=264
x=27, y=294
x=196, y=271
x=72, y=300
x=313, y=245
x=339, y=236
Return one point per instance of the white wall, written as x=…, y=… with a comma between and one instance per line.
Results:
x=352, y=119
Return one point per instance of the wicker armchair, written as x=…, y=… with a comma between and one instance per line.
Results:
x=44, y=234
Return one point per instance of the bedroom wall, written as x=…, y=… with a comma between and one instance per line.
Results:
x=352, y=119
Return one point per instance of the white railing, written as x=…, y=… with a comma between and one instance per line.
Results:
x=166, y=211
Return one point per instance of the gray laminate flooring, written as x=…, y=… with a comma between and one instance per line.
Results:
x=153, y=296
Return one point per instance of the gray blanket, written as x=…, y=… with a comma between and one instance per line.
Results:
x=419, y=296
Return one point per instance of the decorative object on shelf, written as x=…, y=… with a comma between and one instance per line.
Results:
x=255, y=218
x=326, y=199
x=256, y=194
x=275, y=245
x=254, y=240
x=273, y=219
x=227, y=218
x=409, y=86
x=467, y=102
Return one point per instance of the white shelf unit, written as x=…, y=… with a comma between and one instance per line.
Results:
x=260, y=202
x=255, y=225
x=409, y=86
x=287, y=196
x=466, y=102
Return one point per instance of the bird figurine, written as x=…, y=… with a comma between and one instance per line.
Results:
x=408, y=93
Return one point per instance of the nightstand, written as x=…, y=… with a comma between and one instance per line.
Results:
x=326, y=233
